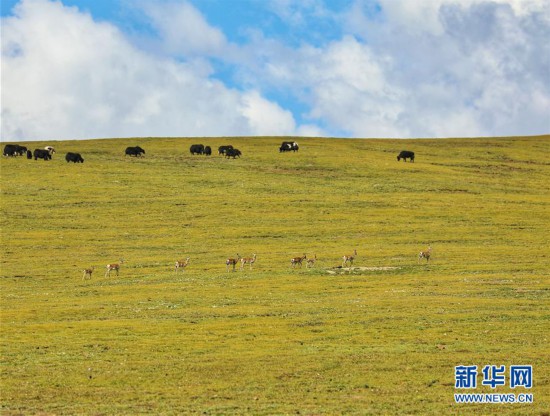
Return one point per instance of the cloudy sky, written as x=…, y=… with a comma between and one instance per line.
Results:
x=75, y=69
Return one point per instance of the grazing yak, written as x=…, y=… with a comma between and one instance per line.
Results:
x=196, y=149
x=134, y=151
x=14, y=150
x=405, y=154
x=234, y=153
x=288, y=146
x=223, y=149
x=42, y=154
x=29, y=154
x=74, y=157
x=208, y=150
x=10, y=150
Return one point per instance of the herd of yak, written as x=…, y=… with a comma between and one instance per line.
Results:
x=196, y=149
x=44, y=154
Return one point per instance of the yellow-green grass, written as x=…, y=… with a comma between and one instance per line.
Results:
x=381, y=339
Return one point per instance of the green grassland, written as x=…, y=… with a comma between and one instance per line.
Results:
x=383, y=338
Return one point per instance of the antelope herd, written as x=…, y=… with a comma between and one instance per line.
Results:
x=199, y=149
x=231, y=262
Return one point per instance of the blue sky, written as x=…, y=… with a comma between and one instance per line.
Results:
x=75, y=69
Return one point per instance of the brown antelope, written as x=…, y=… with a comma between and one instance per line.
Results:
x=425, y=254
x=182, y=264
x=297, y=260
x=249, y=260
x=88, y=273
x=232, y=262
x=311, y=261
x=348, y=258
x=113, y=266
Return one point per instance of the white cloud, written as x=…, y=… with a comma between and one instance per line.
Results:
x=437, y=68
x=430, y=69
x=265, y=117
x=350, y=90
x=297, y=13
x=183, y=30
x=424, y=16
x=66, y=76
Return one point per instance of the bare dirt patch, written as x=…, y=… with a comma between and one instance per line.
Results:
x=341, y=270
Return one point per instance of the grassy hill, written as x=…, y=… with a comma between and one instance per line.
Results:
x=383, y=338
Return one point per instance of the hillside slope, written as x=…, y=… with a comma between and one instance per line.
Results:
x=383, y=338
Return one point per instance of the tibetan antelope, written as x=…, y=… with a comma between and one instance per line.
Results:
x=297, y=260
x=311, y=261
x=88, y=273
x=425, y=254
x=249, y=260
x=348, y=258
x=232, y=262
x=182, y=264
x=113, y=266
